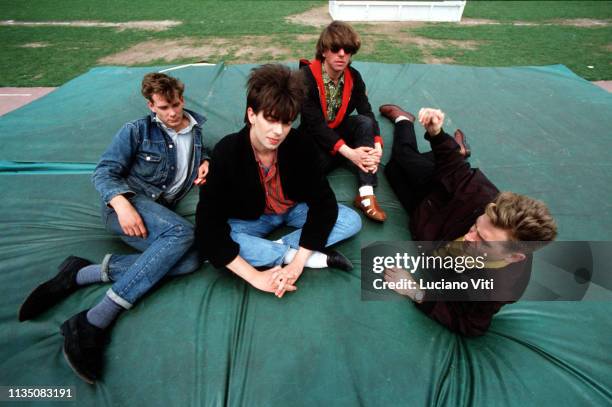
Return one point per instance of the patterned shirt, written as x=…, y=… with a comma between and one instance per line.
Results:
x=276, y=202
x=333, y=95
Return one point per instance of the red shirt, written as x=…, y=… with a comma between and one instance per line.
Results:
x=276, y=202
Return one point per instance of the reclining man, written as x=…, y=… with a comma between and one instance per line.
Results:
x=148, y=168
x=334, y=90
x=447, y=200
x=262, y=177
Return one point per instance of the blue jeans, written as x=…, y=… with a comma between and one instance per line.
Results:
x=168, y=250
x=258, y=251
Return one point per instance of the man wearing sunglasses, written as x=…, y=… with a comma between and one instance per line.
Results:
x=334, y=91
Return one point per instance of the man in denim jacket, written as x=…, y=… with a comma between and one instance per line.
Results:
x=150, y=165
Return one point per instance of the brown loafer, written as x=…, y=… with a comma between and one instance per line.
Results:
x=464, y=147
x=392, y=112
x=369, y=206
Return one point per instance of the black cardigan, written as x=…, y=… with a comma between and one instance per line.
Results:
x=234, y=190
x=312, y=119
x=459, y=196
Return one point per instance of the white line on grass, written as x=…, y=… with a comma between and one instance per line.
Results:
x=185, y=66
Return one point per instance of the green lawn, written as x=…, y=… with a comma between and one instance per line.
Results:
x=508, y=45
x=537, y=10
x=250, y=31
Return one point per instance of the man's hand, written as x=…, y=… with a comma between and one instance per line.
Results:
x=262, y=280
x=286, y=277
x=202, y=172
x=432, y=120
x=265, y=281
x=359, y=156
x=376, y=156
x=129, y=218
x=289, y=274
x=396, y=275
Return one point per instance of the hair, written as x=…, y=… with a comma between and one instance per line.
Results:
x=527, y=220
x=162, y=84
x=277, y=91
x=337, y=34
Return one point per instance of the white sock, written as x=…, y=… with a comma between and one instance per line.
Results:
x=316, y=260
x=289, y=256
x=400, y=118
x=366, y=190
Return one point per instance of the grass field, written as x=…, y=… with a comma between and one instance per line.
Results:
x=499, y=34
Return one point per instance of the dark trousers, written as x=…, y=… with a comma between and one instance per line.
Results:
x=356, y=131
x=409, y=172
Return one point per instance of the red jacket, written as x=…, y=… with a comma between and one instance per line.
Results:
x=314, y=109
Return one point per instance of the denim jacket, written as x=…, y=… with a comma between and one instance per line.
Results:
x=141, y=159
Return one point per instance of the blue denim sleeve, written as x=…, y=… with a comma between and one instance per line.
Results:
x=206, y=151
x=207, y=147
x=110, y=175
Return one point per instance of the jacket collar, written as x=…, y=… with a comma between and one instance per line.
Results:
x=316, y=67
x=200, y=119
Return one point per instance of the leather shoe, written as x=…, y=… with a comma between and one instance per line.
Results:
x=392, y=112
x=337, y=260
x=464, y=147
x=369, y=206
x=53, y=291
x=84, y=346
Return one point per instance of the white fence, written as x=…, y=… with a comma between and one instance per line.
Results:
x=372, y=10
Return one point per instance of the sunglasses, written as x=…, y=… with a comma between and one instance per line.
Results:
x=348, y=49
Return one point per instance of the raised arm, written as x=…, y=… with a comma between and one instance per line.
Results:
x=451, y=167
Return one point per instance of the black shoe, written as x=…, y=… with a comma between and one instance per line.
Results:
x=84, y=346
x=336, y=260
x=53, y=291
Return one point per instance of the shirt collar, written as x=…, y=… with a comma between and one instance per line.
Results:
x=327, y=80
x=259, y=161
x=192, y=123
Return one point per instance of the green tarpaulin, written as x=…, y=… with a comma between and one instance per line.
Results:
x=210, y=339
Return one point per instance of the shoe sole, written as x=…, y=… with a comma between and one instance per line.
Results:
x=358, y=206
x=410, y=116
x=464, y=147
x=346, y=270
x=74, y=369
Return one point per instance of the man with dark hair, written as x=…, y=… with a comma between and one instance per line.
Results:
x=148, y=168
x=334, y=90
x=266, y=176
x=447, y=200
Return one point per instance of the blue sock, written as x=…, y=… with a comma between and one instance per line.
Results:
x=89, y=274
x=103, y=314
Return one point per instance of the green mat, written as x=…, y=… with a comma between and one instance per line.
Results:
x=209, y=339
